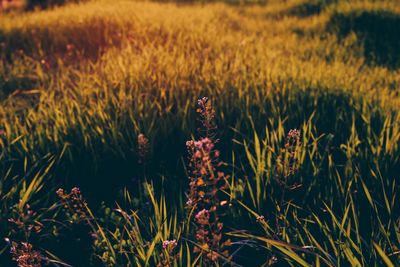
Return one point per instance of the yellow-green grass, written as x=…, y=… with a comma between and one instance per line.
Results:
x=80, y=82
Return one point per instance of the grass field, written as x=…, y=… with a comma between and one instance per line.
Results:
x=291, y=110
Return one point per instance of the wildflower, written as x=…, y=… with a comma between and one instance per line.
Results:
x=70, y=47
x=168, y=256
x=205, y=184
x=74, y=204
x=75, y=191
x=143, y=147
x=294, y=133
x=203, y=216
x=189, y=202
x=272, y=260
x=207, y=115
x=24, y=220
x=203, y=162
x=260, y=218
x=169, y=244
x=60, y=192
x=45, y=63
x=24, y=254
x=289, y=161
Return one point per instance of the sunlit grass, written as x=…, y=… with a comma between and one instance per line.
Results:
x=79, y=83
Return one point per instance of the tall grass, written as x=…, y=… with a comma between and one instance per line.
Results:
x=80, y=83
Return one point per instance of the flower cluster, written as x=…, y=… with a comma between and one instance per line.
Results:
x=293, y=134
x=143, y=147
x=25, y=256
x=207, y=115
x=202, y=216
x=23, y=224
x=260, y=218
x=289, y=159
x=206, y=182
x=169, y=255
x=74, y=204
x=25, y=221
x=169, y=244
x=288, y=163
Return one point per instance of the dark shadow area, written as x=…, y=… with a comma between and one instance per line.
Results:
x=228, y=2
x=43, y=4
x=309, y=8
x=378, y=32
x=16, y=85
x=84, y=41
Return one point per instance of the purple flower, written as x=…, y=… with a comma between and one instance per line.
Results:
x=60, y=192
x=203, y=216
x=75, y=191
x=169, y=244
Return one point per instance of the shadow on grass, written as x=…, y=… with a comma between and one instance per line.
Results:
x=309, y=8
x=378, y=32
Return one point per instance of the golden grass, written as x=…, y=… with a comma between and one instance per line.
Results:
x=84, y=79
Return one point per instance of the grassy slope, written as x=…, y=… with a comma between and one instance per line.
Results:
x=84, y=80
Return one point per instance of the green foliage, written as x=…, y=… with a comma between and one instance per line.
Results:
x=80, y=83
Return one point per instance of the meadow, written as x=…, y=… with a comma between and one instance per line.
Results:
x=136, y=133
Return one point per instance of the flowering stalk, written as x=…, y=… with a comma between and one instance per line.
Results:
x=74, y=205
x=25, y=221
x=143, y=148
x=168, y=256
x=205, y=184
x=288, y=163
x=206, y=113
x=292, y=146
